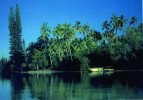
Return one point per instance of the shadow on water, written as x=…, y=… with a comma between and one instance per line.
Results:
x=69, y=77
x=130, y=78
x=74, y=86
x=123, y=85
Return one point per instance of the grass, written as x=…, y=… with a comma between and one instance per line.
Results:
x=47, y=71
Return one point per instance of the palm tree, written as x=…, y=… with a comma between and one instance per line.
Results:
x=76, y=44
x=105, y=26
x=59, y=50
x=123, y=21
x=85, y=29
x=49, y=52
x=94, y=35
x=140, y=27
x=68, y=37
x=133, y=20
x=43, y=40
x=65, y=33
x=58, y=32
x=45, y=31
x=115, y=22
x=77, y=25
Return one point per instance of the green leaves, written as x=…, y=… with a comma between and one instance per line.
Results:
x=64, y=46
x=39, y=60
x=45, y=32
x=133, y=20
x=16, y=48
x=114, y=24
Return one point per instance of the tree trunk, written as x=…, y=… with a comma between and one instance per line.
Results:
x=70, y=52
x=50, y=59
x=37, y=67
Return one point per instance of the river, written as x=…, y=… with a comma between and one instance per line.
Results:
x=72, y=86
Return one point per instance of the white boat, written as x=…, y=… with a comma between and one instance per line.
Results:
x=96, y=69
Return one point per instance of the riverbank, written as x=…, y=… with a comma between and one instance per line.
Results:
x=40, y=72
x=47, y=71
x=90, y=70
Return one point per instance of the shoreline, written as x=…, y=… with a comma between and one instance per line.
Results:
x=49, y=72
x=55, y=71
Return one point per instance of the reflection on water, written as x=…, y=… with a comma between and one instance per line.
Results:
x=72, y=86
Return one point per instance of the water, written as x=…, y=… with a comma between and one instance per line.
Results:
x=72, y=86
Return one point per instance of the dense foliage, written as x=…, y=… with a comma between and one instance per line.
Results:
x=16, y=48
x=78, y=46
x=3, y=63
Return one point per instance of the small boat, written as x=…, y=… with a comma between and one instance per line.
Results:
x=96, y=69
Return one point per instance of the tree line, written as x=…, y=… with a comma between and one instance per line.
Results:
x=77, y=46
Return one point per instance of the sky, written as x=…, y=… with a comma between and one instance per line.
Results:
x=36, y=12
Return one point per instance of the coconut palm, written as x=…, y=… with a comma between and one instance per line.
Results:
x=133, y=20
x=49, y=51
x=105, y=26
x=43, y=40
x=58, y=32
x=77, y=25
x=123, y=21
x=115, y=22
x=45, y=32
x=85, y=29
x=68, y=37
x=65, y=33
x=76, y=44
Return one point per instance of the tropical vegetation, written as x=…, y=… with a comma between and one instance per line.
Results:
x=76, y=47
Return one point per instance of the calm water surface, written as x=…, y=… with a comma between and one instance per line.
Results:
x=72, y=86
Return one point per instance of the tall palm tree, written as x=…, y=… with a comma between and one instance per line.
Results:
x=65, y=33
x=44, y=38
x=107, y=27
x=46, y=42
x=59, y=50
x=45, y=31
x=49, y=52
x=68, y=37
x=115, y=22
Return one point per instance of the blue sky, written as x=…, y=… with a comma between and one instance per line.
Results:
x=36, y=12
